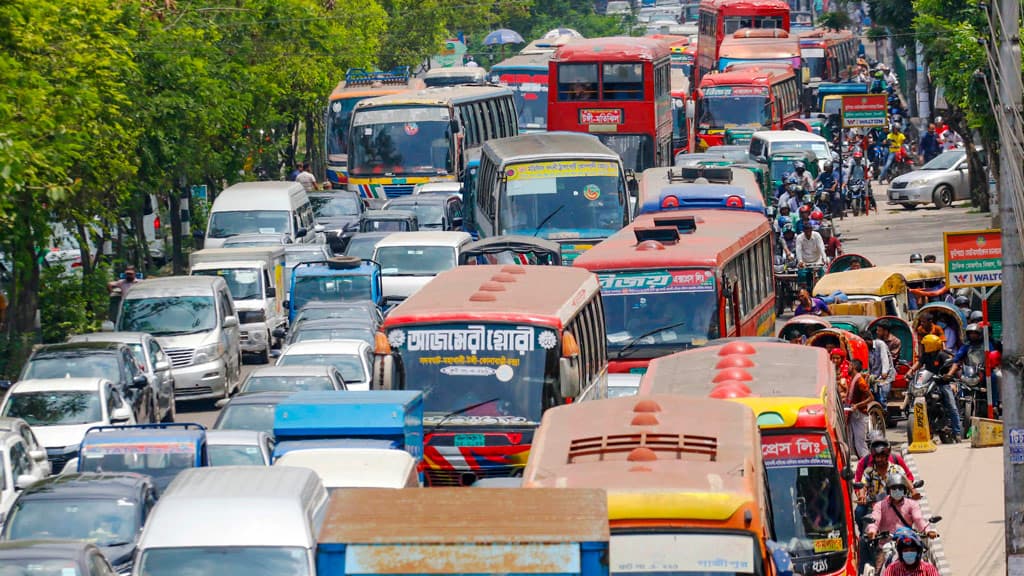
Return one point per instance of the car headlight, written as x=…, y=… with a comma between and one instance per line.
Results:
x=919, y=182
x=208, y=353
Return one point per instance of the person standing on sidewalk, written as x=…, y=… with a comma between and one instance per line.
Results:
x=306, y=178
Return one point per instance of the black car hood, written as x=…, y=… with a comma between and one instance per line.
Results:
x=339, y=222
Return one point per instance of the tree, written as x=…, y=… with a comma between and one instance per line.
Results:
x=839, y=20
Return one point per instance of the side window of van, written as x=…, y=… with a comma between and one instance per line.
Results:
x=756, y=147
x=225, y=303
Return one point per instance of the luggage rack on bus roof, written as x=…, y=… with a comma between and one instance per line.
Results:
x=642, y=446
x=690, y=174
x=364, y=77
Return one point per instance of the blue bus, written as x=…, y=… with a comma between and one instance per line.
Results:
x=527, y=76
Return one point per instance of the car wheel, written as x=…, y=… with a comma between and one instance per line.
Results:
x=909, y=206
x=942, y=197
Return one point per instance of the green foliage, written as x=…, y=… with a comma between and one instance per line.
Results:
x=897, y=15
x=839, y=20
x=71, y=304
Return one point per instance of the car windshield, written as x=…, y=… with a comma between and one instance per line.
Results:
x=945, y=161
x=253, y=241
x=226, y=561
x=350, y=365
x=561, y=199
x=411, y=140
x=168, y=316
x=733, y=107
x=243, y=283
x=335, y=205
x=339, y=115
x=331, y=313
x=73, y=364
x=362, y=246
x=415, y=260
x=235, y=455
x=55, y=408
x=317, y=288
x=259, y=417
x=102, y=521
x=428, y=214
x=160, y=459
x=287, y=384
x=387, y=224
x=807, y=498
x=820, y=149
x=224, y=224
x=635, y=304
x=39, y=567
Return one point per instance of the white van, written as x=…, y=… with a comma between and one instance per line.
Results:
x=767, y=142
x=408, y=260
x=194, y=320
x=261, y=517
x=262, y=208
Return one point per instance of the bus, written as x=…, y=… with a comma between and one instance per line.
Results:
x=358, y=84
x=562, y=186
x=752, y=99
x=828, y=55
x=760, y=47
x=721, y=18
x=419, y=136
x=492, y=348
x=802, y=15
x=676, y=280
x=804, y=439
x=684, y=478
x=527, y=76
x=619, y=90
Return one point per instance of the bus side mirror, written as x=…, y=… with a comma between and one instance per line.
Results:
x=569, y=376
x=691, y=109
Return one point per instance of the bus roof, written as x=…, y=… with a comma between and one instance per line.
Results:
x=745, y=5
x=614, y=48
x=539, y=61
x=746, y=76
x=360, y=83
x=547, y=295
x=719, y=235
x=739, y=45
x=547, y=145
x=439, y=96
x=662, y=456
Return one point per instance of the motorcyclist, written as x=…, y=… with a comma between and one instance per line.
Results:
x=803, y=176
x=788, y=244
x=827, y=181
x=873, y=491
x=784, y=218
x=896, y=510
x=909, y=549
x=895, y=141
x=975, y=343
x=941, y=364
x=881, y=450
x=833, y=246
x=810, y=248
x=790, y=198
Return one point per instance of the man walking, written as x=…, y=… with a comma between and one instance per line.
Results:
x=306, y=178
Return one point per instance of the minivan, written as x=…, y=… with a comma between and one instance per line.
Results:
x=194, y=320
x=764, y=143
x=262, y=208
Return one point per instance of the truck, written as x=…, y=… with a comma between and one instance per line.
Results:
x=341, y=278
x=255, y=278
x=453, y=531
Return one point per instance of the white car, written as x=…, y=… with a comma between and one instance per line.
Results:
x=408, y=260
x=60, y=410
x=18, y=470
x=239, y=447
x=446, y=188
x=353, y=358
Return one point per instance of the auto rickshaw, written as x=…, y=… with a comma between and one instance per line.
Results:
x=780, y=165
x=876, y=291
x=849, y=262
x=852, y=323
x=949, y=317
x=907, y=357
x=799, y=328
x=856, y=348
x=925, y=282
x=763, y=180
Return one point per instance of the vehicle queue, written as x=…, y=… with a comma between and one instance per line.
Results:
x=488, y=370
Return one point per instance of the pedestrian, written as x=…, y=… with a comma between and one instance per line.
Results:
x=294, y=172
x=929, y=146
x=306, y=178
x=124, y=283
x=470, y=63
x=859, y=398
x=880, y=368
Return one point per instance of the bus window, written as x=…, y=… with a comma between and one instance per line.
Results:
x=577, y=82
x=624, y=81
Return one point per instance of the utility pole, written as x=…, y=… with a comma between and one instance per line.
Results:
x=1007, y=18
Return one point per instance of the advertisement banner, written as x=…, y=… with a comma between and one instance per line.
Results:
x=657, y=282
x=974, y=258
x=729, y=91
x=793, y=450
x=865, y=110
x=561, y=169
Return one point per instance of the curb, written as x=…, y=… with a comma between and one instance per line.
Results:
x=936, y=547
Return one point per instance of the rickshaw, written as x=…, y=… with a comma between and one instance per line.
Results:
x=852, y=323
x=511, y=249
x=876, y=291
x=780, y=165
x=950, y=319
x=856, y=348
x=799, y=328
x=847, y=262
x=907, y=357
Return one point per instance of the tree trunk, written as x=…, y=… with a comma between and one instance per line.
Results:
x=24, y=291
x=177, y=256
x=83, y=246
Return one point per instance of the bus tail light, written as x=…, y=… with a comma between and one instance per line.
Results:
x=570, y=349
x=734, y=202
x=381, y=345
x=669, y=202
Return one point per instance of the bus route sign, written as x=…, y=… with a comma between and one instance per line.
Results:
x=974, y=258
x=864, y=110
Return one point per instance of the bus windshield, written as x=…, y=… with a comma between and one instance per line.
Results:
x=504, y=368
x=401, y=141
x=734, y=106
x=635, y=305
x=339, y=114
x=721, y=553
x=336, y=288
x=815, y=64
x=578, y=196
x=806, y=495
x=531, y=95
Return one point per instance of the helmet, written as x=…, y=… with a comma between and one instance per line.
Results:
x=916, y=258
x=788, y=228
x=905, y=538
x=798, y=165
x=878, y=74
x=972, y=327
x=828, y=166
x=858, y=154
x=817, y=215
x=938, y=119
x=976, y=316
x=805, y=209
x=962, y=302
x=896, y=480
x=877, y=437
x=931, y=343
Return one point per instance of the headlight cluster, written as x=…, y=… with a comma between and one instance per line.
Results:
x=208, y=353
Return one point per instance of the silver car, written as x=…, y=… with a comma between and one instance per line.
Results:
x=942, y=181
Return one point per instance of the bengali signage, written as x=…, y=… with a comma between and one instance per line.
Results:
x=974, y=258
x=730, y=91
x=865, y=110
x=561, y=169
x=601, y=116
x=681, y=553
x=657, y=282
x=792, y=450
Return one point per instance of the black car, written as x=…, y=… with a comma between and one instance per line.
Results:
x=339, y=310
x=48, y=557
x=250, y=412
x=433, y=211
x=333, y=329
x=105, y=508
x=339, y=213
x=393, y=220
x=112, y=361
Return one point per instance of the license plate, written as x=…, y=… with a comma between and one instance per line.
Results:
x=469, y=440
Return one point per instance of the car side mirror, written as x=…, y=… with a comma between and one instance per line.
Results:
x=161, y=366
x=275, y=353
x=140, y=381
x=120, y=415
x=935, y=519
x=456, y=222
x=286, y=304
x=271, y=292
x=918, y=483
x=230, y=322
x=198, y=234
x=24, y=481
x=5, y=385
x=847, y=474
x=301, y=232
x=222, y=402
x=569, y=375
x=69, y=467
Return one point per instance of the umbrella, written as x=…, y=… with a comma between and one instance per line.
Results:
x=503, y=36
x=559, y=32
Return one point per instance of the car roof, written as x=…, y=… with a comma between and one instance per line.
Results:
x=326, y=347
x=143, y=434
x=90, y=345
x=388, y=214
x=118, y=337
x=338, y=323
x=235, y=437
x=58, y=385
x=345, y=305
x=332, y=193
x=292, y=371
x=794, y=135
x=439, y=187
x=88, y=485
x=174, y=286
x=425, y=238
x=257, y=236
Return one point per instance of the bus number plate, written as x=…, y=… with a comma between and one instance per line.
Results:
x=469, y=440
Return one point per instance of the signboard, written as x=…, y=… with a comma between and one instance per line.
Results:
x=681, y=553
x=1016, y=445
x=601, y=116
x=729, y=91
x=865, y=110
x=657, y=282
x=974, y=258
x=796, y=450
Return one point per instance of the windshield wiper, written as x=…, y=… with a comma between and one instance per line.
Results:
x=547, y=219
x=454, y=413
x=635, y=341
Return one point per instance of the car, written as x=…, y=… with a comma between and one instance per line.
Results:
x=53, y=557
x=105, y=508
x=293, y=379
x=35, y=450
x=361, y=245
x=339, y=212
x=393, y=220
x=239, y=447
x=332, y=329
x=433, y=211
x=18, y=470
x=250, y=240
x=250, y=412
x=941, y=181
x=408, y=260
x=353, y=358
x=160, y=451
x=114, y=361
x=60, y=412
x=443, y=188
x=151, y=358
x=351, y=309
x=733, y=152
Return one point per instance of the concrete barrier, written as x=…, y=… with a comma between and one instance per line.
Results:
x=986, y=433
x=920, y=433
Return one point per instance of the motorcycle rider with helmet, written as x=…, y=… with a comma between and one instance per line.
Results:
x=974, y=352
x=897, y=511
x=909, y=549
x=871, y=490
x=803, y=176
x=916, y=258
x=941, y=364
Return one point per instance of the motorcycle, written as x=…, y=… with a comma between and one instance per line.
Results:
x=857, y=190
x=883, y=542
x=902, y=164
x=971, y=392
x=926, y=385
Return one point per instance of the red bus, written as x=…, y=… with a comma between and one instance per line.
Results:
x=827, y=54
x=751, y=99
x=676, y=280
x=619, y=90
x=721, y=18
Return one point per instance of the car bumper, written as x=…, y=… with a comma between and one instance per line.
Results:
x=253, y=337
x=201, y=381
x=914, y=195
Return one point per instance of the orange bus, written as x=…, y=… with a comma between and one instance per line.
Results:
x=761, y=47
x=492, y=348
x=792, y=391
x=720, y=18
x=827, y=53
x=684, y=478
x=674, y=280
x=753, y=99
